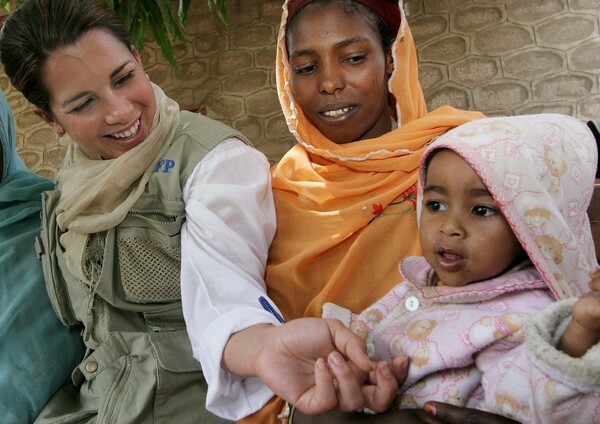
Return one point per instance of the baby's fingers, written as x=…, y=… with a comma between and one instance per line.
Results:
x=381, y=393
x=400, y=368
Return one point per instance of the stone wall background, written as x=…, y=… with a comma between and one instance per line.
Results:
x=502, y=57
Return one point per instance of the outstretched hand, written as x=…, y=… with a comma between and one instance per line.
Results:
x=318, y=365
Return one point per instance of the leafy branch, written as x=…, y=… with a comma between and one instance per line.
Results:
x=166, y=19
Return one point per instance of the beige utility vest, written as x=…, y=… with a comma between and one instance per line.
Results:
x=139, y=366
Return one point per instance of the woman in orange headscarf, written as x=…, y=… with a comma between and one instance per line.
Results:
x=347, y=78
x=347, y=189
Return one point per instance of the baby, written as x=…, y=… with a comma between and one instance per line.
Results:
x=505, y=235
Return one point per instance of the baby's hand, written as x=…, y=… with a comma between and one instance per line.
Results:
x=583, y=331
x=383, y=382
x=586, y=311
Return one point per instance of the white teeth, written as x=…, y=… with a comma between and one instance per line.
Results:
x=130, y=132
x=336, y=113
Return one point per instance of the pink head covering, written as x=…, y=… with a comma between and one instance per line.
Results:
x=540, y=169
x=386, y=10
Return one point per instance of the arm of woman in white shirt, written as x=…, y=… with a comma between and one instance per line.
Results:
x=230, y=223
x=229, y=226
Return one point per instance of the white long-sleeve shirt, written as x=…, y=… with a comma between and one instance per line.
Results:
x=225, y=240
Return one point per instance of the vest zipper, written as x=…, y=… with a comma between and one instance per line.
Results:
x=176, y=218
x=119, y=390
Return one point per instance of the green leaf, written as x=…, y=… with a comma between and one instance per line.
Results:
x=5, y=4
x=184, y=6
x=159, y=31
x=137, y=29
x=159, y=14
x=221, y=10
x=172, y=23
x=128, y=11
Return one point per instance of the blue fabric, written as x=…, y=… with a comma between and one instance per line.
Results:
x=37, y=353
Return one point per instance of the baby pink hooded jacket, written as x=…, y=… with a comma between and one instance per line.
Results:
x=491, y=345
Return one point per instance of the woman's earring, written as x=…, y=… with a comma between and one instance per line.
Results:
x=60, y=133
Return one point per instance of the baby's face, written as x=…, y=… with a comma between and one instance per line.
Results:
x=464, y=236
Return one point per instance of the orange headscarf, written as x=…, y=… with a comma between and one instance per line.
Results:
x=346, y=212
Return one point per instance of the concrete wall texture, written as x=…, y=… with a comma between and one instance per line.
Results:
x=502, y=57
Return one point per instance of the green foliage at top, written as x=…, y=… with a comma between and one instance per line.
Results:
x=166, y=19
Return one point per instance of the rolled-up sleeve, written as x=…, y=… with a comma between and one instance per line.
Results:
x=230, y=223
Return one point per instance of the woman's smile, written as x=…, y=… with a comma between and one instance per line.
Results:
x=334, y=114
x=130, y=132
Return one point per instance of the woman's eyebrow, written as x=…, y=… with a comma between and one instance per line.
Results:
x=350, y=41
x=74, y=98
x=119, y=69
x=85, y=93
x=339, y=45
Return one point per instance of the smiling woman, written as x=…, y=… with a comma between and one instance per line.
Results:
x=109, y=108
x=134, y=194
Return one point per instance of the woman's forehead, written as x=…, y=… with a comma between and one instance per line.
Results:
x=335, y=26
x=388, y=11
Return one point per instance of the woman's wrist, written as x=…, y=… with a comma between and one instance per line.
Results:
x=243, y=348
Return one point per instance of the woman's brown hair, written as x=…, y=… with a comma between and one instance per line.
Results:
x=39, y=27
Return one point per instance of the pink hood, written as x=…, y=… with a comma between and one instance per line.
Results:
x=541, y=170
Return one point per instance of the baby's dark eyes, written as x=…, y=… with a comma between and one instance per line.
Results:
x=435, y=206
x=484, y=210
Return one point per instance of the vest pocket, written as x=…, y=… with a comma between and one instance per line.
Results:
x=178, y=372
x=107, y=379
x=149, y=252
